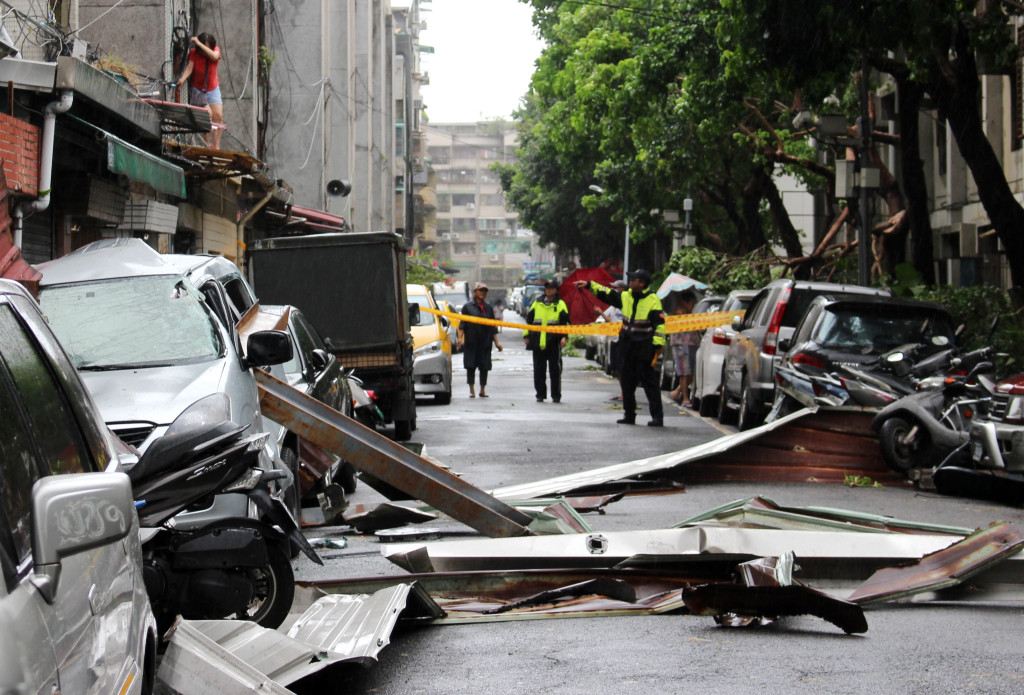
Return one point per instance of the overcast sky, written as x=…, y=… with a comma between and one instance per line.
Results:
x=483, y=58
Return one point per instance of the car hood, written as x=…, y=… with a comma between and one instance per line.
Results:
x=156, y=395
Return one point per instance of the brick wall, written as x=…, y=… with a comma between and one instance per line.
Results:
x=19, y=150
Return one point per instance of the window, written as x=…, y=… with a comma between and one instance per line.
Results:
x=19, y=473
x=51, y=422
x=438, y=155
x=492, y=199
x=463, y=224
x=492, y=222
x=464, y=152
x=462, y=248
x=444, y=202
x=463, y=176
x=463, y=198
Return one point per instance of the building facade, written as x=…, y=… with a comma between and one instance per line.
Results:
x=475, y=233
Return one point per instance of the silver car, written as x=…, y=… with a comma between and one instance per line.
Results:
x=74, y=614
x=149, y=344
x=707, y=379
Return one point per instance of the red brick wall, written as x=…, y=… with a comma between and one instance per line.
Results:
x=19, y=151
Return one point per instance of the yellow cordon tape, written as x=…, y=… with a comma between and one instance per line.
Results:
x=673, y=324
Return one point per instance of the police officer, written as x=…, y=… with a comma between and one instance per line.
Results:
x=547, y=310
x=641, y=340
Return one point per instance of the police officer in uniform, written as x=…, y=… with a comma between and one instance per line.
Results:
x=641, y=340
x=547, y=310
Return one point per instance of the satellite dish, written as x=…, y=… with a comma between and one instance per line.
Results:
x=339, y=187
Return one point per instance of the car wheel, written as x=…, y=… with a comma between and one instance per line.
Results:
x=707, y=406
x=443, y=398
x=591, y=353
x=403, y=430
x=901, y=454
x=346, y=477
x=725, y=415
x=750, y=415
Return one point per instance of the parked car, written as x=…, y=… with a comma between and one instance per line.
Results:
x=856, y=331
x=707, y=379
x=176, y=342
x=317, y=373
x=531, y=293
x=431, y=349
x=453, y=324
x=515, y=297
x=705, y=305
x=748, y=373
x=74, y=613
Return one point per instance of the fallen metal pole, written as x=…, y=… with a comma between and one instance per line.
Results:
x=379, y=456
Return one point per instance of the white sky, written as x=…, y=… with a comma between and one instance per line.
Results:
x=483, y=58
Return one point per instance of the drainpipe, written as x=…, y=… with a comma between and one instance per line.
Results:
x=45, y=163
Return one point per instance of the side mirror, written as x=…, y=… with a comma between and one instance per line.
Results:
x=266, y=348
x=737, y=323
x=445, y=323
x=414, y=314
x=318, y=360
x=785, y=344
x=74, y=513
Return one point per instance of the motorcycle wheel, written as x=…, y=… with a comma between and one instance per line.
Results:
x=708, y=406
x=899, y=455
x=275, y=589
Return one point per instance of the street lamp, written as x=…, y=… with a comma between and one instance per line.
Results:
x=689, y=238
x=625, y=254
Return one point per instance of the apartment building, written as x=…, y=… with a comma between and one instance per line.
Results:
x=475, y=233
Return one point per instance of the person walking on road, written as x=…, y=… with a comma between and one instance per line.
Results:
x=475, y=340
x=641, y=340
x=547, y=310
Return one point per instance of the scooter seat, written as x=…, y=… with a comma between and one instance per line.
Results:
x=177, y=450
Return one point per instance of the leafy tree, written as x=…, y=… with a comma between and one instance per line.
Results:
x=422, y=269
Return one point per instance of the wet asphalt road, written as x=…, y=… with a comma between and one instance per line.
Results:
x=509, y=438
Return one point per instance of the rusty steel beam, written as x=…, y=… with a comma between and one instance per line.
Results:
x=388, y=461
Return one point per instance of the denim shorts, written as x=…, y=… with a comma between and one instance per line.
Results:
x=201, y=98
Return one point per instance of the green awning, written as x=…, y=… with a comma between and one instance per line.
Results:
x=140, y=165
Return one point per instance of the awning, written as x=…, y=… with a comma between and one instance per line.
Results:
x=140, y=165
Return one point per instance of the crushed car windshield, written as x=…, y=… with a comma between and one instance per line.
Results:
x=875, y=333
x=137, y=322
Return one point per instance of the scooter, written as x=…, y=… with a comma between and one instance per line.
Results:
x=229, y=568
x=364, y=403
x=990, y=465
x=929, y=424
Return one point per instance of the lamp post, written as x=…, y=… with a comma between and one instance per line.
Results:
x=625, y=254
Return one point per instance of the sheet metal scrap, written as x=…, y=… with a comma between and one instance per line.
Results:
x=763, y=591
x=945, y=568
x=232, y=656
x=469, y=597
x=379, y=456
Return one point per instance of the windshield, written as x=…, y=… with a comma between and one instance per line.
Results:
x=854, y=330
x=532, y=293
x=456, y=299
x=426, y=318
x=146, y=321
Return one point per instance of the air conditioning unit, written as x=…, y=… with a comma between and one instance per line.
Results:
x=446, y=235
x=494, y=257
x=455, y=235
x=470, y=206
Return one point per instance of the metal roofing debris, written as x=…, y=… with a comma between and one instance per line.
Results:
x=774, y=602
x=944, y=568
x=371, y=452
x=208, y=656
x=666, y=547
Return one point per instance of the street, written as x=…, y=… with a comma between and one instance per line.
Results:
x=510, y=438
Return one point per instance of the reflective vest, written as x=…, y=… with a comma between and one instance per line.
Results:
x=556, y=313
x=642, y=318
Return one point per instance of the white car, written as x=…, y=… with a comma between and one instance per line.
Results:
x=707, y=381
x=74, y=613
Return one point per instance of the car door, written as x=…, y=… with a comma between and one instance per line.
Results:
x=324, y=381
x=88, y=621
x=744, y=342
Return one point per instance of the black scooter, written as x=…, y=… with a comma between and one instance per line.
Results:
x=229, y=568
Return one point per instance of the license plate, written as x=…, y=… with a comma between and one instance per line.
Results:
x=976, y=451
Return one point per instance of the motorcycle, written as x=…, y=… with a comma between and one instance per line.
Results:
x=227, y=568
x=935, y=420
x=992, y=467
x=364, y=403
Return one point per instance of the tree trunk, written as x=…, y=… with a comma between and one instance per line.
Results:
x=960, y=100
x=790, y=237
x=915, y=188
x=751, y=234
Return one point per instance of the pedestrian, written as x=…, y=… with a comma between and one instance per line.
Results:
x=203, y=58
x=547, y=310
x=641, y=340
x=499, y=310
x=475, y=340
x=684, y=349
